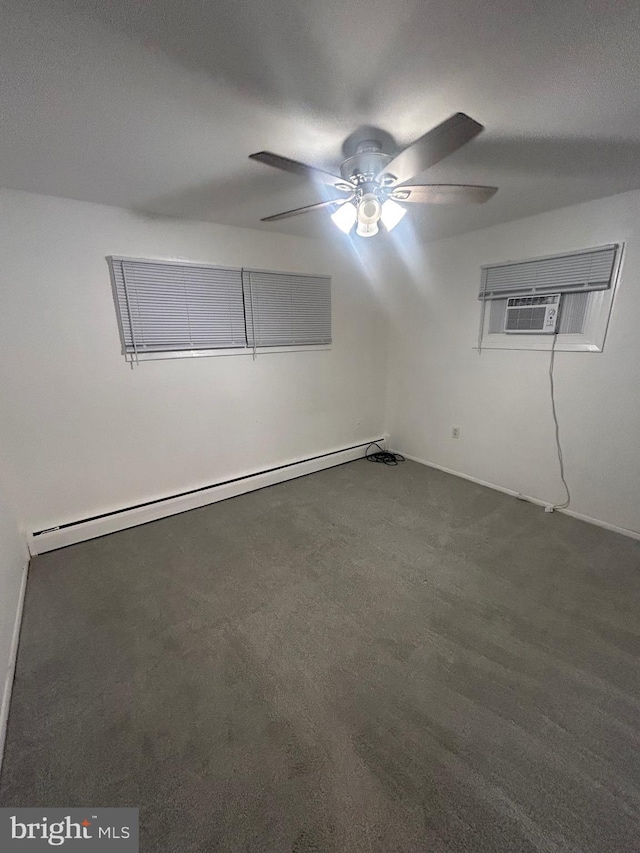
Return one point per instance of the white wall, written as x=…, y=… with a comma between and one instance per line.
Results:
x=13, y=562
x=81, y=433
x=500, y=399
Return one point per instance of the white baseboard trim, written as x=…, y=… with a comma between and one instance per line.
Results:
x=73, y=532
x=11, y=668
x=623, y=530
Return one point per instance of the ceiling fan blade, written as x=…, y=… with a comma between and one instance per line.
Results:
x=442, y=194
x=298, y=210
x=296, y=168
x=434, y=146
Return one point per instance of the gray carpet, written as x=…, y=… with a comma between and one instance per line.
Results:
x=365, y=659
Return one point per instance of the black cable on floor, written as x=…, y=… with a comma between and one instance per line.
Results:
x=383, y=456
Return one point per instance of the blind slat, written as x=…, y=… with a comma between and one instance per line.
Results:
x=586, y=270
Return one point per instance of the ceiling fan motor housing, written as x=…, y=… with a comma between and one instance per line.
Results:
x=368, y=161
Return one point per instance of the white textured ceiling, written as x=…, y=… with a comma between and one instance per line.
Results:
x=155, y=104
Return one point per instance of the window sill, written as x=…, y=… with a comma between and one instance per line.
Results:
x=564, y=343
x=209, y=353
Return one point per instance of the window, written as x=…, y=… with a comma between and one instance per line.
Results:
x=287, y=310
x=173, y=308
x=585, y=281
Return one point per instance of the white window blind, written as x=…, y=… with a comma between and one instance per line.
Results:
x=284, y=309
x=586, y=270
x=168, y=306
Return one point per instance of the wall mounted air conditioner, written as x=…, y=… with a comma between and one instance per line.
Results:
x=533, y=315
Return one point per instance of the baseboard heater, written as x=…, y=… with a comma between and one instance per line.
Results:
x=70, y=532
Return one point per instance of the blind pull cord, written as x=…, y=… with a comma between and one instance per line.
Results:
x=126, y=296
x=253, y=318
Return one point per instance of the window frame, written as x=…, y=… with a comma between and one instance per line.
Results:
x=598, y=315
x=214, y=352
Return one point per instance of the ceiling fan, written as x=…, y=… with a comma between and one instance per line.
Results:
x=376, y=185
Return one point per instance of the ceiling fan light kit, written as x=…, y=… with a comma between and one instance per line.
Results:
x=345, y=216
x=391, y=214
x=373, y=182
x=367, y=229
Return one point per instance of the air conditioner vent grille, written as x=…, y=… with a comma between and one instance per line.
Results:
x=532, y=314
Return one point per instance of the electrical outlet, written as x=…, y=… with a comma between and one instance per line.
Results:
x=455, y=432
